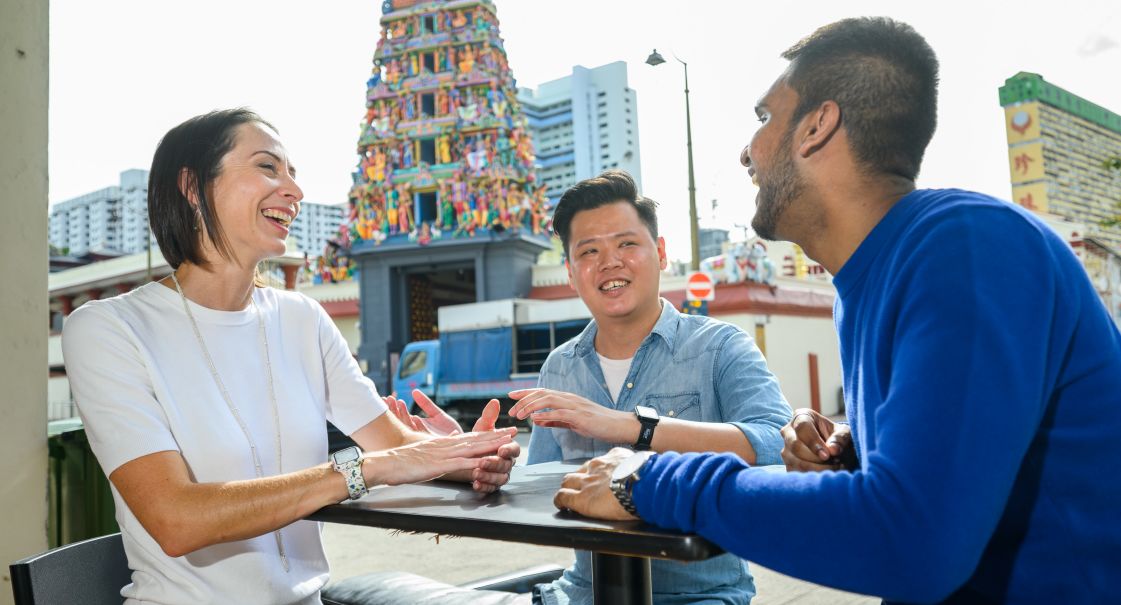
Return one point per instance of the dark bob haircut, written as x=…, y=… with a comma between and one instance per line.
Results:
x=884, y=77
x=611, y=187
x=194, y=148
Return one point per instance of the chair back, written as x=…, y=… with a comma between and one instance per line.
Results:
x=91, y=572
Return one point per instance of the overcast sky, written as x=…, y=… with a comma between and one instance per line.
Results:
x=125, y=71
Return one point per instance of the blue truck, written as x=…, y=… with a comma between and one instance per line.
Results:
x=484, y=351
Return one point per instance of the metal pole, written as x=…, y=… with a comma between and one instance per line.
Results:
x=620, y=580
x=695, y=262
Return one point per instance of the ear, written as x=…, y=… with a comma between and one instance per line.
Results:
x=818, y=127
x=568, y=268
x=662, y=261
x=188, y=186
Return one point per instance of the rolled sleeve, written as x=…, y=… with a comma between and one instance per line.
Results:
x=749, y=396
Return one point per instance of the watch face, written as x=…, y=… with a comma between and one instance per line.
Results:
x=646, y=413
x=350, y=454
x=630, y=465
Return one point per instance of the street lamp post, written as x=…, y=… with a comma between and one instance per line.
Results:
x=656, y=59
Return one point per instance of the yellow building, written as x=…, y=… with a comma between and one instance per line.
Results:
x=1057, y=144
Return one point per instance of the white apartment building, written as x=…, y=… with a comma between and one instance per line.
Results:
x=113, y=219
x=316, y=224
x=583, y=124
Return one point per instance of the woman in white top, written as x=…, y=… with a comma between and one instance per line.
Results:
x=205, y=396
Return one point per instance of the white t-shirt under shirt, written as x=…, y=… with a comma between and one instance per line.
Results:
x=142, y=385
x=614, y=374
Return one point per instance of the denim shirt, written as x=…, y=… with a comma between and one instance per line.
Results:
x=688, y=367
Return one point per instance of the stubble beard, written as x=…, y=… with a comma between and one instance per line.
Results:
x=776, y=192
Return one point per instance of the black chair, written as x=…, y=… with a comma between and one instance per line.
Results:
x=91, y=572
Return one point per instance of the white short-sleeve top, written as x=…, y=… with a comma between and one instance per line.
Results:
x=142, y=385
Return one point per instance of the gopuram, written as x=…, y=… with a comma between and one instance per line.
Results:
x=445, y=208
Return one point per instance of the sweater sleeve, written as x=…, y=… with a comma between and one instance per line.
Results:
x=963, y=392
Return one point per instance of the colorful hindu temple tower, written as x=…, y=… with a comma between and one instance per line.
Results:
x=445, y=207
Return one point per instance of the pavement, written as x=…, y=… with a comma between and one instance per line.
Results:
x=354, y=550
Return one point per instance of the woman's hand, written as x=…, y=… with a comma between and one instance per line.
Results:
x=435, y=420
x=434, y=458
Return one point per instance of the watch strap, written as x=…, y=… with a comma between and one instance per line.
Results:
x=623, y=486
x=645, y=432
x=355, y=482
x=622, y=490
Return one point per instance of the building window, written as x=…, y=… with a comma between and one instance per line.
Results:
x=428, y=151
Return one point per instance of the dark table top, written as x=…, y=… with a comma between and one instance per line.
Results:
x=522, y=511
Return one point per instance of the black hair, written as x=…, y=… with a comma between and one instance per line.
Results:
x=611, y=187
x=884, y=77
x=197, y=146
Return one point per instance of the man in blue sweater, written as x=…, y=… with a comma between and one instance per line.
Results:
x=982, y=373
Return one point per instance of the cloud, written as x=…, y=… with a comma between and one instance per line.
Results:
x=1097, y=44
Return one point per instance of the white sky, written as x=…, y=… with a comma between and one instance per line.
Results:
x=125, y=71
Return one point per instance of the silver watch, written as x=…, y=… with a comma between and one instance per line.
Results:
x=625, y=476
x=348, y=461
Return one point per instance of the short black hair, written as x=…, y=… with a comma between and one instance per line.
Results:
x=611, y=187
x=198, y=146
x=884, y=77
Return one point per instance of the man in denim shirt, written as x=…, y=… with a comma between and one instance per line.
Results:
x=706, y=380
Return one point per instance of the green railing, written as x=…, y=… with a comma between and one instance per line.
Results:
x=81, y=503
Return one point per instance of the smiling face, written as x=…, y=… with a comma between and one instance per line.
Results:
x=615, y=263
x=255, y=195
x=769, y=159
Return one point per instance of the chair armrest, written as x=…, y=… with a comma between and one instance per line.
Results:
x=518, y=581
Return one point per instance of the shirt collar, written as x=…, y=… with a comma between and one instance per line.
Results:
x=666, y=327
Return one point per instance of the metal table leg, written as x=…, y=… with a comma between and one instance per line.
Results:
x=620, y=580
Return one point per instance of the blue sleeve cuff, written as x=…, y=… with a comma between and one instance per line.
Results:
x=765, y=440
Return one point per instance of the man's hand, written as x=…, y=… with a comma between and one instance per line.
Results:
x=813, y=442
x=568, y=411
x=493, y=471
x=588, y=490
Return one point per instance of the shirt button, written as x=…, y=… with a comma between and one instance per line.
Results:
x=670, y=413
x=630, y=385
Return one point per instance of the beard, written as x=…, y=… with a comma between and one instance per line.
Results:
x=778, y=188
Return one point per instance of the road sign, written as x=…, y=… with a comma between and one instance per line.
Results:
x=699, y=286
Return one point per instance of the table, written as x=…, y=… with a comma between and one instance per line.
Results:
x=523, y=511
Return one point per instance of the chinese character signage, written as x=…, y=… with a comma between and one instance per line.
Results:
x=1025, y=162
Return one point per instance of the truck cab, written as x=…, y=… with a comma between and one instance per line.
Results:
x=486, y=350
x=417, y=369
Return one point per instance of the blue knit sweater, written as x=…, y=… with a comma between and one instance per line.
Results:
x=982, y=379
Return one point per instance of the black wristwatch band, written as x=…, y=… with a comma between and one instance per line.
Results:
x=648, y=419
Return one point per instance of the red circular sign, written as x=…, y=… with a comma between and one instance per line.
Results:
x=699, y=287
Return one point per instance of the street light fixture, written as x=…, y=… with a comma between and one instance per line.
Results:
x=655, y=60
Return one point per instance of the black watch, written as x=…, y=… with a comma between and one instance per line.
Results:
x=649, y=418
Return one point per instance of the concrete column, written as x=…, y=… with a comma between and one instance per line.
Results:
x=23, y=299
x=290, y=272
x=67, y=303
